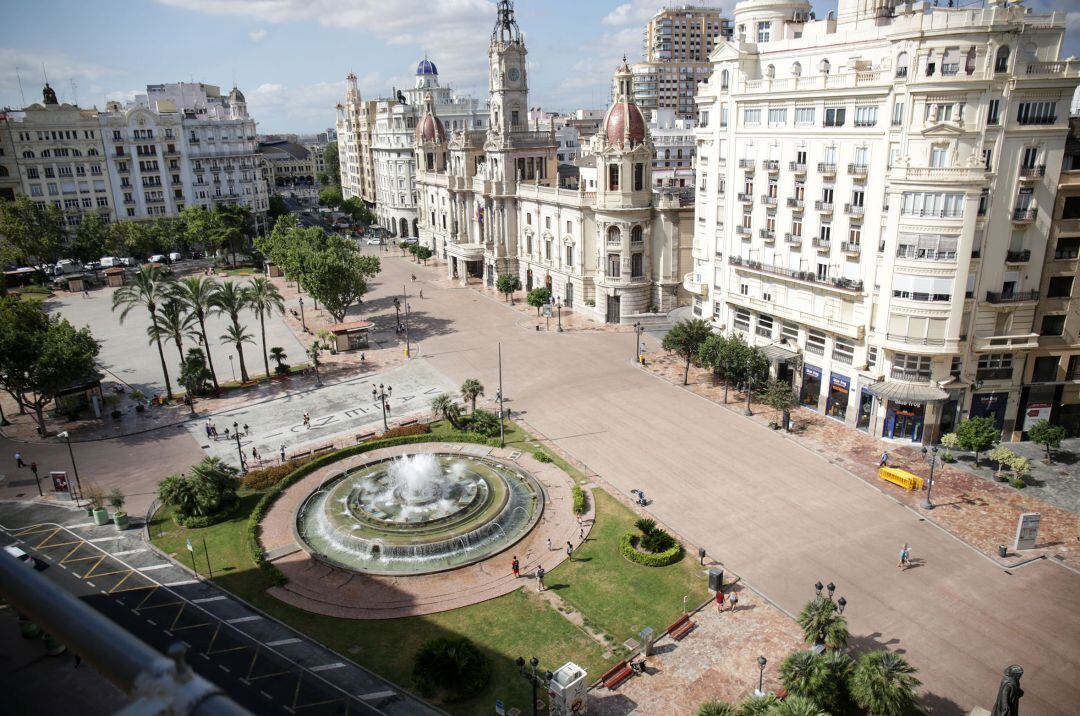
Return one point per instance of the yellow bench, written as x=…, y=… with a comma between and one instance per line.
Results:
x=903, y=478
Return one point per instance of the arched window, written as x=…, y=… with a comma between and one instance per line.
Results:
x=76, y=153
x=770, y=71
x=636, y=235
x=824, y=66
x=796, y=69
x=1001, y=60
x=614, y=236
x=91, y=152
x=28, y=154
x=724, y=79
x=931, y=63
x=902, y=64
x=45, y=154
x=3, y=171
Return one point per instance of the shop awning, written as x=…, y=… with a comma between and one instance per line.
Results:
x=907, y=392
x=778, y=353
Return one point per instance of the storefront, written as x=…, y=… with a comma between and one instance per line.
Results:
x=904, y=421
x=866, y=410
x=783, y=362
x=811, y=387
x=839, y=391
x=990, y=405
x=905, y=407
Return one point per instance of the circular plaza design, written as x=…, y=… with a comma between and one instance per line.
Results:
x=418, y=529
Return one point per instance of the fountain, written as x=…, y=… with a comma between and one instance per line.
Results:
x=418, y=513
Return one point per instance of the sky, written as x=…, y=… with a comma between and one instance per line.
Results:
x=290, y=57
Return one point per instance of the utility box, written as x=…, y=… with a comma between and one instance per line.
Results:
x=114, y=277
x=567, y=691
x=716, y=579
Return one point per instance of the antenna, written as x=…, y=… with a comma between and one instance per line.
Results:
x=44, y=74
x=19, y=78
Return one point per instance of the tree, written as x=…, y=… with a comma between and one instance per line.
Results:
x=193, y=372
x=538, y=298
x=795, y=706
x=331, y=196
x=278, y=354
x=91, y=238
x=709, y=354
x=506, y=284
x=198, y=295
x=423, y=253
x=1003, y=456
x=233, y=226
x=801, y=674
x=131, y=238
x=174, y=322
x=277, y=209
x=779, y=396
x=443, y=406
x=357, y=210
x=230, y=300
x=1047, y=435
x=756, y=705
x=684, y=338
x=30, y=232
x=472, y=389
x=265, y=300
x=451, y=667
x=884, y=684
x=200, y=225
x=338, y=277
x=210, y=487
x=332, y=162
x=715, y=708
x=822, y=624
x=978, y=435
x=148, y=289
x=950, y=442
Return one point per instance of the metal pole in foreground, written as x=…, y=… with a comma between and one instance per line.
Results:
x=927, y=504
x=206, y=552
x=502, y=430
x=408, y=346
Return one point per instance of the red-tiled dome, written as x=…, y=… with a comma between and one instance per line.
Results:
x=625, y=123
x=430, y=129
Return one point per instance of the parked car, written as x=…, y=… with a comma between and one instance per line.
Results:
x=64, y=266
x=409, y=240
x=373, y=241
x=174, y=256
x=128, y=261
x=198, y=255
x=109, y=261
x=93, y=266
x=158, y=259
x=20, y=555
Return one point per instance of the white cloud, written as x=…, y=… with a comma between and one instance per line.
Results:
x=281, y=108
x=123, y=96
x=635, y=12
x=61, y=68
x=256, y=35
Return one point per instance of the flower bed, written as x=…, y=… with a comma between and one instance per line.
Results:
x=629, y=549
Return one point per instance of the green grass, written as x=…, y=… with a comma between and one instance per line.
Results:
x=242, y=271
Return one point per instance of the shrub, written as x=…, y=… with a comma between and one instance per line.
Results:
x=978, y=435
x=581, y=504
x=404, y=430
x=756, y=705
x=541, y=456
x=628, y=549
x=1017, y=482
x=262, y=478
x=645, y=525
x=197, y=522
x=1047, y=435
x=715, y=708
x=452, y=668
x=482, y=421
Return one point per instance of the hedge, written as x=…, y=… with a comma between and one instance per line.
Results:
x=580, y=501
x=406, y=430
x=263, y=477
x=541, y=456
x=255, y=549
x=629, y=550
x=197, y=522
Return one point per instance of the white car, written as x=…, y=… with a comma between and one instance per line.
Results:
x=157, y=259
x=174, y=256
x=20, y=555
x=373, y=241
x=109, y=261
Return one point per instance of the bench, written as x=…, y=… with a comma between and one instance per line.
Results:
x=322, y=448
x=298, y=455
x=407, y=423
x=363, y=437
x=903, y=478
x=616, y=675
x=681, y=627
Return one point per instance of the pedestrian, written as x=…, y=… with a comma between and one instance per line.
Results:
x=282, y=450
x=733, y=600
x=581, y=533
x=905, y=553
x=18, y=460
x=549, y=544
x=85, y=292
x=307, y=421
x=516, y=566
x=213, y=430
x=246, y=429
x=884, y=459
x=255, y=455
x=226, y=433
x=421, y=293
x=719, y=600
x=208, y=431
x=540, y=579
x=33, y=469
x=414, y=278
x=570, y=551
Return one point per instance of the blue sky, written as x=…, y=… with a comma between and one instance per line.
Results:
x=290, y=57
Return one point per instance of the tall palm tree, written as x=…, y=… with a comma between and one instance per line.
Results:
x=472, y=389
x=235, y=335
x=444, y=406
x=278, y=354
x=821, y=624
x=884, y=684
x=173, y=324
x=264, y=299
x=149, y=289
x=197, y=294
x=230, y=300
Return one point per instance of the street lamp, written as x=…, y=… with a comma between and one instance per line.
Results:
x=558, y=306
x=303, y=323
x=239, y=450
x=638, y=330
x=533, y=678
x=841, y=603
x=818, y=586
x=832, y=588
x=78, y=485
x=397, y=316
x=231, y=368
x=932, y=457
x=407, y=344
x=761, y=661
x=383, y=396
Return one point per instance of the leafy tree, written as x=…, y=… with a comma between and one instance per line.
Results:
x=338, y=278
x=41, y=355
x=1047, y=435
x=331, y=196
x=483, y=422
x=28, y=231
x=357, y=210
x=779, y=396
x=822, y=624
x=685, y=338
x=709, y=354
x=756, y=705
x=277, y=209
x=950, y=442
x=230, y=300
x=795, y=706
x=131, y=238
x=332, y=161
x=180, y=493
x=148, y=289
x=237, y=336
x=443, y=405
x=472, y=389
x=91, y=239
x=193, y=372
x=451, y=667
x=200, y=225
x=884, y=684
x=198, y=295
x=538, y=298
x=265, y=300
x=978, y=435
x=506, y=284
x=234, y=225
x=1003, y=456
x=278, y=354
x=715, y=708
x=423, y=253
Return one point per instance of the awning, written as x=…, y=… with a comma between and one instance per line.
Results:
x=468, y=252
x=907, y=392
x=778, y=353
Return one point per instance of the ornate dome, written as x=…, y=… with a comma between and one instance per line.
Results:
x=236, y=95
x=426, y=67
x=430, y=129
x=624, y=125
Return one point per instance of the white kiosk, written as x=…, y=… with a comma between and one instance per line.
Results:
x=567, y=691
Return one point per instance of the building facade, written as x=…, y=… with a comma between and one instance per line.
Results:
x=288, y=164
x=675, y=146
x=491, y=202
x=355, y=123
x=875, y=193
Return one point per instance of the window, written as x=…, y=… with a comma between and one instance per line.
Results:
x=834, y=116
x=843, y=351
x=940, y=204
x=639, y=176
x=1059, y=287
x=1068, y=247
x=796, y=228
x=1053, y=325
x=988, y=158
x=764, y=31
x=825, y=234
x=854, y=235
x=636, y=235
x=569, y=227
x=751, y=117
x=777, y=117
x=938, y=155
x=994, y=366
x=1001, y=60
x=911, y=366
x=804, y=116
x=569, y=255
x=898, y=114
x=871, y=356
x=993, y=110
x=789, y=332
x=724, y=80
x=865, y=116
x=613, y=177
x=613, y=265
x=764, y=326
x=1030, y=157
x=815, y=342
x=637, y=265
x=742, y=320
x=1036, y=112
x=1046, y=369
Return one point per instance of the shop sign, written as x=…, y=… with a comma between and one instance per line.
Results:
x=1027, y=530
x=840, y=382
x=811, y=372
x=1036, y=412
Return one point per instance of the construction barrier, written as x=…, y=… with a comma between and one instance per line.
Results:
x=903, y=478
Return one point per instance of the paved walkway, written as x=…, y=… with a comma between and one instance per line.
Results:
x=318, y=587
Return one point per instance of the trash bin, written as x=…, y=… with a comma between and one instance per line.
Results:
x=1003, y=551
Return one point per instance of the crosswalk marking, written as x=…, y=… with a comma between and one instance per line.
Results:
x=240, y=620
x=182, y=583
x=204, y=600
x=326, y=667
x=282, y=642
x=152, y=567
x=127, y=552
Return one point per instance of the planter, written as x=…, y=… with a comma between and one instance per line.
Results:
x=101, y=516
x=999, y=478
x=89, y=511
x=122, y=520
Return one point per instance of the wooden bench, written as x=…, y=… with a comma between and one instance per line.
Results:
x=363, y=437
x=322, y=448
x=616, y=675
x=298, y=455
x=407, y=423
x=681, y=627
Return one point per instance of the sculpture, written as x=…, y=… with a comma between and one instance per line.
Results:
x=1009, y=693
x=48, y=94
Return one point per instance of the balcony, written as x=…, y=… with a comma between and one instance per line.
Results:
x=994, y=374
x=824, y=207
x=767, y=234
x=793, y=238
x=797, y=167
x=850, y=247
x=854, y=209
x=910, y=376
x=771, y=165
x=843, y=284
x=1018, y=257
x=826, y=168
x=796, y=204
x=747, y=164
x=743, y=230
x=822, y=244
x=1013, y=297
x=768, y=200
x=1032, y=173
x=1004, y=344
x=746, y=198
x=857, y=170
x=693, y=283
x=1036, y=120
x=1024, y=216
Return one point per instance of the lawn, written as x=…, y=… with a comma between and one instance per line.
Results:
x=614, y=596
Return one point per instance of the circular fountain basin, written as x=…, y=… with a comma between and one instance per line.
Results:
x=419, y=513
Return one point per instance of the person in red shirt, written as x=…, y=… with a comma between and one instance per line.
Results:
x=719, y=600
x=516, y=566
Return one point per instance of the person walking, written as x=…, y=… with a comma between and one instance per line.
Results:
x=905, y=554
x=213, y=430
x=733, y=600
x=549, y=544
x=421, y=294
x=884, y=462
x=209, y=431
x=516, y=566
x=282, y=451
x=307, y=420
x=540, y=578
x=255, y=455
x=18, y=460
x=570, y=551
x=719, y=600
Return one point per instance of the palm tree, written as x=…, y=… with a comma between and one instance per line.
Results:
x=149, y=289
x=715, y=708
x=278, y=354
x=230, y=300
x=472, y=389
x=795, y=706
x=197, y=293
x=444, y=406
x=173, y=324
x=179, y=493
x=801, y=674
x=264, y=299
x=884, y=684
x=193, y=374
x=756, y=705
x=821, y=624
x=235, y=335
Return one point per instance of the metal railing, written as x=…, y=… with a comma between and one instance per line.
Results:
x=797, y=167
x=826, y=168
x=854, y=209
x=767, y=234
x=857, y=169
x=772, y=165
x=825, y=206
x=1013, y=297
x=746, y=164
x=795, y=203
x=1024, y=214
x=1018, y=257
x=1034, y=172
x=768, y=200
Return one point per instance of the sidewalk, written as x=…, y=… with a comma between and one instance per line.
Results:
x=980, y=512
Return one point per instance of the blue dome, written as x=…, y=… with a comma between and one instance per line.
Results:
x=427, y=67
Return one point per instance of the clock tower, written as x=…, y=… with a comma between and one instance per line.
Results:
x=507, y=82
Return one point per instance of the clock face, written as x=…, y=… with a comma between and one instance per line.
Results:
x=513, y=74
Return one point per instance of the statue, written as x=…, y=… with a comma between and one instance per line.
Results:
x=49, y=95
x=1009, y=693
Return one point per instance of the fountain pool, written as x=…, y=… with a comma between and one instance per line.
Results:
x=418, y=513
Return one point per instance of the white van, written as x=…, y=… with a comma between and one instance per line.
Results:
x=109, y=262
x=174, y=256
x=66, y=266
